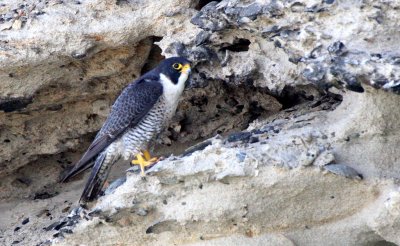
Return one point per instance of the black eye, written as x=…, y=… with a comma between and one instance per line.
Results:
x=177, y=66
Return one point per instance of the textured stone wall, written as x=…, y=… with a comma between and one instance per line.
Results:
x=285, y=161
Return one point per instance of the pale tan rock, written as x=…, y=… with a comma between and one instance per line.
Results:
x=61, y=71
x=17, y=24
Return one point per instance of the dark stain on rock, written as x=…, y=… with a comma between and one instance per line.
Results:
x=14, y=104
x=56, y=226
x=337, y=48
x=25, y=221
x=55, y=107
x=239, y=136
x=202, y=38
x=163, y=226
x=356, y=87
x=121, y=2
x=197, y=147
x=44, y=195
x=254, y=139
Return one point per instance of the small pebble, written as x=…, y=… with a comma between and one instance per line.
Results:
x=25, y=221
x=114, y=185
x=17, y=25
x=241, y=156
x=197, y=147
x=343, y=170
x=254, y=139
x=78, y=56
x=65, y=230
x=141, y=212
x=55, y=226
x=58, y=234
x=239, y=136
x=202, y=38
x=66, y=209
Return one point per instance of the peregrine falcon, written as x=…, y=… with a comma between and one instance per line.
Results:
x=138, y=115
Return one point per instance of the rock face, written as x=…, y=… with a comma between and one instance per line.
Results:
x=280, y=161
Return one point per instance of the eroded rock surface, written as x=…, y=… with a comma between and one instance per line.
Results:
x=240, y=190
x=277, y=161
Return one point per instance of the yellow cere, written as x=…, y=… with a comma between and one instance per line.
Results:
x=186, y=67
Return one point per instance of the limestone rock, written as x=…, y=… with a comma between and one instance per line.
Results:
x=264, y=107
x=211, y=198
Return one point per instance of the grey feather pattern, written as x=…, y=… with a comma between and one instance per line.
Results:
x=96, y=177
x=137, y=116
x=128, y=110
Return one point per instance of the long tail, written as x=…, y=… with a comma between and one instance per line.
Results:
x=99, y=144
x=98, y=177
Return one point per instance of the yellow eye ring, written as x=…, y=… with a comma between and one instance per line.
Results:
x=177, y=66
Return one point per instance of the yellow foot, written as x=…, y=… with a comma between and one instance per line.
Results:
x=143, y=160
x=147, y=157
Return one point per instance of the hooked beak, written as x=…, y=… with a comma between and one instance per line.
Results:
x=186, y=69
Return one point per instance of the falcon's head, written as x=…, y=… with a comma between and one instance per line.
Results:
x=176, y=69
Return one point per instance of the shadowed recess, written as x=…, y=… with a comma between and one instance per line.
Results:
x=14, y=104
x=155, y=56
x=239, y=45
x=203, y=3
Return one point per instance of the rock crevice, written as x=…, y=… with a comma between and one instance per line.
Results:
x=274, y=157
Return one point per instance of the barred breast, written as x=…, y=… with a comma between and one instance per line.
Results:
x=136, y=139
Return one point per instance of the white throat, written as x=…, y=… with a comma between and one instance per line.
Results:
x=172, y=91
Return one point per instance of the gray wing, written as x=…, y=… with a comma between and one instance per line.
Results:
x=128, y=110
